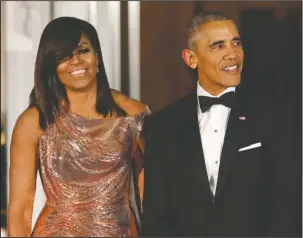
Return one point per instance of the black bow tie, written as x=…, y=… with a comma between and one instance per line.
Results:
x=227, y=99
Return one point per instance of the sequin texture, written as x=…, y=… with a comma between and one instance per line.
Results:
x=85, y=165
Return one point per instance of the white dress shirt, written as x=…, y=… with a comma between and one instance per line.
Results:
x=212, y=124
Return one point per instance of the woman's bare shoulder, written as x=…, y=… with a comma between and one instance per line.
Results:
x=129, y=105
x=28, y=123
x=30, y=115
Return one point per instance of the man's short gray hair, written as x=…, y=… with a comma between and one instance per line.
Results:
x=199, y=20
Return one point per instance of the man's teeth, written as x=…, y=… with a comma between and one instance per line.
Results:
x=231, y=68
x=76, y=72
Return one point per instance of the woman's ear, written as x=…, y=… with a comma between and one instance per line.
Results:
x=97, y=60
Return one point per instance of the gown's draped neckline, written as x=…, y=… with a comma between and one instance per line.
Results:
x=86, y=170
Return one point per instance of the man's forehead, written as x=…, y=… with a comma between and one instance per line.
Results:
x=218, y=29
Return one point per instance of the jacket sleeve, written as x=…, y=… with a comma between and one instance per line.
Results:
x=156, y=220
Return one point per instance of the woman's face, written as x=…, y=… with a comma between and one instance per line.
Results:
x=78, y=72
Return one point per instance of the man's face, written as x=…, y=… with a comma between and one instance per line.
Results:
x=217, y=55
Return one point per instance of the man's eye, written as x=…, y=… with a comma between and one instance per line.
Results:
x=239, y=43
x=219, y=46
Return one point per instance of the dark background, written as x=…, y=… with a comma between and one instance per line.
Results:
x=272, y=39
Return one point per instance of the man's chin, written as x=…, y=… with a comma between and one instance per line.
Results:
x=232, y=83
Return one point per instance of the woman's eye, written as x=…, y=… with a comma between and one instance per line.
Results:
x=83, y=51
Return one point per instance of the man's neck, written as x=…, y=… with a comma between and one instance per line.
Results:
x=211, y=90
x=204, y=92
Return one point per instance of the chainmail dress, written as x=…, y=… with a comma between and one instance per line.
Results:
x=86, y=171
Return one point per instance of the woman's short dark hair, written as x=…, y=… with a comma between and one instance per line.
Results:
x=59, y=39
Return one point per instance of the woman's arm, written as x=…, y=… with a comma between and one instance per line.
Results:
x=22, y=173
x=141, y=187
x=132, y=107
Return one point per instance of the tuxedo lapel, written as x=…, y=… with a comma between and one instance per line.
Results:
x=237, y=125
x=190, y=142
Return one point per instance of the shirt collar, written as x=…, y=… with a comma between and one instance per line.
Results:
x=202, y=92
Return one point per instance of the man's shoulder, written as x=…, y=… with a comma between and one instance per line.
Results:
x=263, y=106
x=170, y=117
x=173, y=112
x=258, y=102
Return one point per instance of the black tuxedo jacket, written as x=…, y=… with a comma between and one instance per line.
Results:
x=258, y=191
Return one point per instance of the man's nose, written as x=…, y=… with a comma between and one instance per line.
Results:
x=230, y=53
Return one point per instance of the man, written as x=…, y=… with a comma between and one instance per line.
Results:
x=220, y=162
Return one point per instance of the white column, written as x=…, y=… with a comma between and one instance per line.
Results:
x=108, y=29
x=134, y=48
x=24, y=22
x=3, y=231
x=3, y=84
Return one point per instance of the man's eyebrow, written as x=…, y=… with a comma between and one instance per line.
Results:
x=237, y=38
x=218, y=42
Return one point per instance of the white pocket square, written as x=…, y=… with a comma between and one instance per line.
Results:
x=250, y=146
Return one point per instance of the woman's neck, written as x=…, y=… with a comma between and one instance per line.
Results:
x=85, y=100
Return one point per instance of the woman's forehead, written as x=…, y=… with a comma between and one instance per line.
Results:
x=84, y=39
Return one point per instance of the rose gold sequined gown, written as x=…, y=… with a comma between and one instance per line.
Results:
x=86, y=173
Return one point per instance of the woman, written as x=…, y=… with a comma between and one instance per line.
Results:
x=82, y=141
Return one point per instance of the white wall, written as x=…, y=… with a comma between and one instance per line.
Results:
x=3, y=94
x=23, y=25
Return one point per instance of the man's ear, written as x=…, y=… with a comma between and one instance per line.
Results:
x=189, y=58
